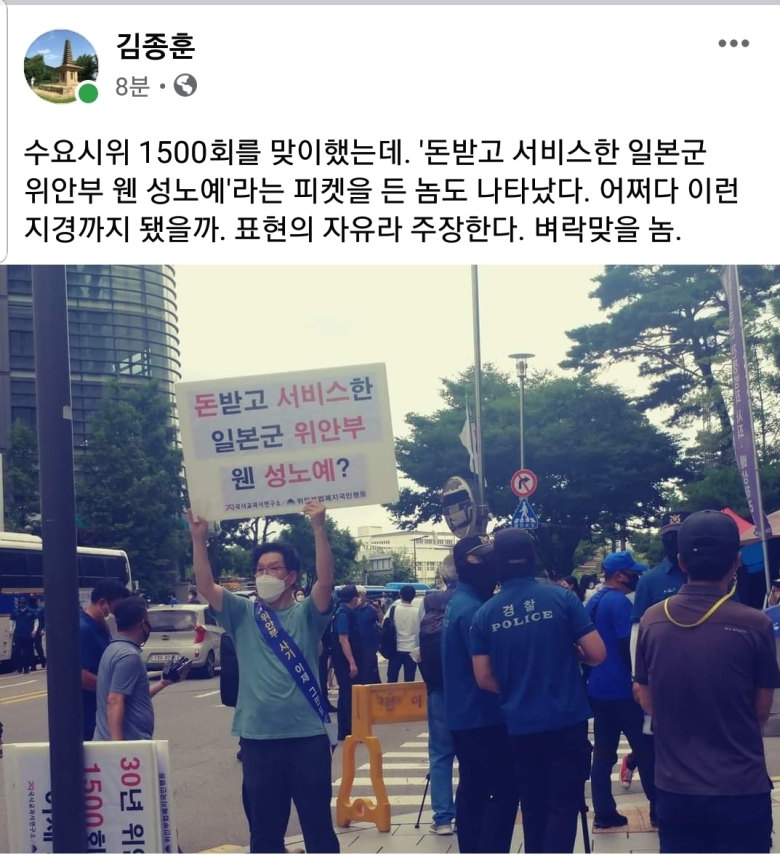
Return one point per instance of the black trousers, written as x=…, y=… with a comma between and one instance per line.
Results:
x=280, y=772
x=23, y=652
x=344, y=704
x=488, y=795
x=611, y=718
x=401, y=660
x=552, y=768
x=714, y=825
x=40, y=658
x=369, y=667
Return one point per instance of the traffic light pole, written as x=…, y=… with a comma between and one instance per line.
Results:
x=60, y=561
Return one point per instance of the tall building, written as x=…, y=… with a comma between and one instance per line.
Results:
x=123, y=324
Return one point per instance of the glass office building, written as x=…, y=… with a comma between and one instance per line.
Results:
x=123, y=324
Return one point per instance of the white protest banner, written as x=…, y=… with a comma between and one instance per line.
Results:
x=122, y=783
x=167, y=821
x=265, y=444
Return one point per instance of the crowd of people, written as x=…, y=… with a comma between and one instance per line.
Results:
x=515, y=669
x=630, y=666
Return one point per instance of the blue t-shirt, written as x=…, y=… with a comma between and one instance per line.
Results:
x=656, y=585
x=465, y=704
x=25, y=620
x=611, y=680
x=270, y=704
x=367, y=620
x=94, y=638
x=123, y=671
x=529, y=631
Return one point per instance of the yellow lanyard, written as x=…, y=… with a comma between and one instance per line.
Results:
x=705, y=616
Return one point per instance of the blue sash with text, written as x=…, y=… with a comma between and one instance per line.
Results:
x=294, y=661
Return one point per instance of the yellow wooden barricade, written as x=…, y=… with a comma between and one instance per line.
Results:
x=375, y=704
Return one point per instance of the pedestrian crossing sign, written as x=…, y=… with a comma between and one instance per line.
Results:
x=524, y=516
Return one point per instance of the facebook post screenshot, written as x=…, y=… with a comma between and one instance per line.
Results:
x=382, y=468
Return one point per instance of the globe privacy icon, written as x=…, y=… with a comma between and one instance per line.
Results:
x=185, y=85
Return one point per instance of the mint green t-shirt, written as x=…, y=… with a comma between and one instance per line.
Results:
x=270, y=705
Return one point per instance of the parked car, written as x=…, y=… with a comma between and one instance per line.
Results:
x=183, y=630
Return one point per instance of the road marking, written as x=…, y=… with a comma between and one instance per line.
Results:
x=395, y=765
x=395, y=800
x=397, y=780
x=423, y=756
x=208, y=694
x=24, y=683
x=23, y=696
x=414, y=744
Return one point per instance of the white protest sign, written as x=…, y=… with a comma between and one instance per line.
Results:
x=122, y=783
x=265, y=444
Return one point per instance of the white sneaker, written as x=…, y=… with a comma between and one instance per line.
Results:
x=442, y=829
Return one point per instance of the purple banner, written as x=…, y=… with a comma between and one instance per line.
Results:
x=742, y=418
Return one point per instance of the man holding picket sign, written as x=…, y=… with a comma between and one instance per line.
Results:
x=281, y=716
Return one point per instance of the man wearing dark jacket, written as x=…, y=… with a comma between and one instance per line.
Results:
x=347, y=652
x=441, y=749
x=525, y=643
x=487, y=797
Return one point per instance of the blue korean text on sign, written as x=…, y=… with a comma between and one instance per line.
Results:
x=524, y=516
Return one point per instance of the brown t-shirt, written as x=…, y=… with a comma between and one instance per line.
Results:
x=703, y=684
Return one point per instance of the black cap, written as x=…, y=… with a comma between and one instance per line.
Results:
x=479, y=545
x=348, y=593
x=513, y=547
x=708, y=535
x=673, y=521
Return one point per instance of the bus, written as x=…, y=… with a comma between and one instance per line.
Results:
x=21, y=573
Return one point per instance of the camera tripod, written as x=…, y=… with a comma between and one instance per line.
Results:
x=583, y=815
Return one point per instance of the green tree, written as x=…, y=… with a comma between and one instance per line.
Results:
x=35, y=67
x=403, y=569
x=130, y=489
x=647, y=546
x=89, y=67
x=722, y=487
x=20, y=480
x=297, y=531
x=673, y=322
x=600, y=462
x=400, y=569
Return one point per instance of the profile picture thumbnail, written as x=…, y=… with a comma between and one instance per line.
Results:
x=57, y=63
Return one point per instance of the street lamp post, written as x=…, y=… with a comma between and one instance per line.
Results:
x=414, y=546
x=521, y=361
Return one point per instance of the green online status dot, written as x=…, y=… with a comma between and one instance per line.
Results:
x=88, y=93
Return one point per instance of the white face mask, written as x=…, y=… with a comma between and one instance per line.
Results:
x=269, y=587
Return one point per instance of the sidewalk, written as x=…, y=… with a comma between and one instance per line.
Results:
x=637, y=838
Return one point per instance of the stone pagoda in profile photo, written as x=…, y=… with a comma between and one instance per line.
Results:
x=67, y=74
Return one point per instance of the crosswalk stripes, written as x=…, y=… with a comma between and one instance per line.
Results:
x=404, y=770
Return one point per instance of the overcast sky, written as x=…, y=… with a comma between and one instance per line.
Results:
x=418, y=320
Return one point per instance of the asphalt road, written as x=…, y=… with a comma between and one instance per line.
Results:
x=206, y=774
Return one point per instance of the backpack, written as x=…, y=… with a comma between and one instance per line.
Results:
x=228, y=677
x=388, y=640
x=431, y=636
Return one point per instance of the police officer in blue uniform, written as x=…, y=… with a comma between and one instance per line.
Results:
x=525, y=643
x=667, y=578
x=488, y=796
